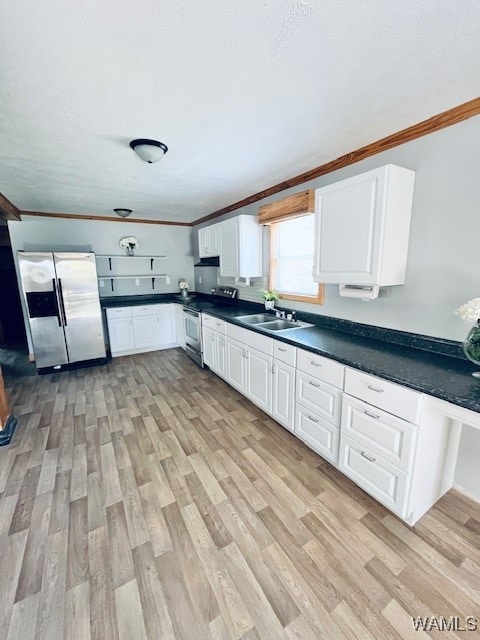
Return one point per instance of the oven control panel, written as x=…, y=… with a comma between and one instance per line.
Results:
x=224, y=292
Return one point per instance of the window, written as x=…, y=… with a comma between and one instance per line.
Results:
x=291, y=260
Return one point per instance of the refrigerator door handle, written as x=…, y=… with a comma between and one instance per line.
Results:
x=62, y=303
x=57, y=308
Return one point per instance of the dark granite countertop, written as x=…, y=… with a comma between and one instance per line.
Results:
x=135, y=301
x=423, y=369
x=429, y=365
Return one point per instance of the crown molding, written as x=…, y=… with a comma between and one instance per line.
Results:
x=435, y=123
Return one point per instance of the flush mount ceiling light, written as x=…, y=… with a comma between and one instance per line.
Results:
x=149, y=150
x=123, y=213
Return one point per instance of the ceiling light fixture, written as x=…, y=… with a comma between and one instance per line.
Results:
x=123, y=213
x=149, y=150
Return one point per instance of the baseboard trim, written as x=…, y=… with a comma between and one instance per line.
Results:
x=7, y=433
x=466, y=493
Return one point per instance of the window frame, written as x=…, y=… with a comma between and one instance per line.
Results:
x=317, y=299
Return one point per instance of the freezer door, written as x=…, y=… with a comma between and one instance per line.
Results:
x=82, y=314
x=37, y=273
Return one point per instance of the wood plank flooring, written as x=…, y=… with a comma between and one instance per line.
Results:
x=146, y=499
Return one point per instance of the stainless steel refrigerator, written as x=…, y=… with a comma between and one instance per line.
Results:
x=63, y=307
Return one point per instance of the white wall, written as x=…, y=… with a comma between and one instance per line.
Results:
x=443, y=260
x=50, y=234
x=442, y=270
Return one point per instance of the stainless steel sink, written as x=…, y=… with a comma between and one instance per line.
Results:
x=256, y=318
x=282, y=325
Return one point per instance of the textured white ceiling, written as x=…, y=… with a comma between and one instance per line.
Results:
x=245, y=94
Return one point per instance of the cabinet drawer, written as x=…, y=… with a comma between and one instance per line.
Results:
x=391, y=438
x=285, y=353
x=208, y=321
x=219, y=325
x=382, y=480
x=146, y=310
x=317, y=433
x=319, y=397
x=322, y=368
x=399, y=401
x=119, y=312
x=250, y=338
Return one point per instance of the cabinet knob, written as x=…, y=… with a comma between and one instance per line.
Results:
x=312, y=419
x=315, y=364
x=376, y=389
x=371, y=415
x=314, y=384
x=280, y=349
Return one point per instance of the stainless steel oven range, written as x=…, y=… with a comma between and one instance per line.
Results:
x=192, y=319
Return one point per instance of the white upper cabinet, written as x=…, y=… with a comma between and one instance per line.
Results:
x=241, y=247
x=362, y=228
x=208, y=241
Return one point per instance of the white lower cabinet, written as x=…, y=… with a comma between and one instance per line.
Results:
x=220, y=355
x=259, y=379
x=283, y=394
x=120, y=333
x=236, y=367
x=209, y=348
x=179, y=326
x=320, y=397
x=382, y=480
x=142, y=328
x=319, y=434
x=146, y=331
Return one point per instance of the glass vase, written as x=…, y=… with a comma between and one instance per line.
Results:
x=471, y=346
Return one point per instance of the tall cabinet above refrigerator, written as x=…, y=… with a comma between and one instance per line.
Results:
x=63, y=307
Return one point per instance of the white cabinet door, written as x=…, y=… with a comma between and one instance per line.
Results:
x=146, y=331
x=348, y=223
x=220, y=355
x=120, y=332
x=229, y=248
x=362, y=227
x=209, y=348
x=240, y=247
x=382, y=480
x=283, y=394
x=179, y=328
x=204, y=242
x=236, y=364
x=214, y=239
x=319, y=434
x=167, y=325
x=259, y=379
x=208, y=241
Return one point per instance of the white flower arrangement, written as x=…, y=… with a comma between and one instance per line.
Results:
x=470, y=311
x=129, y=242
x=183, y=284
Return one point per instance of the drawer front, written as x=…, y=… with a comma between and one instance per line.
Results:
x=395, y=399
x=219, y=325
x=119, y=312
x=319, y=397
x=146, y=310
x=391, y=438
x=317, y=433
x=382, y=480
x=285, y=353
x=208, y=321
x=250, y=338
x=322, y=368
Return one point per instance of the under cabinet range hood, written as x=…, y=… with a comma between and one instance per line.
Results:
x=214, y=261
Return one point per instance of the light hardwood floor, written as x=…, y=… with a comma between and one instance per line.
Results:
x=147, y=499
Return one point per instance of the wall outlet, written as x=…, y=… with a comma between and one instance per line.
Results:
x=137, y=282
x=199, y=279
x=101, y=283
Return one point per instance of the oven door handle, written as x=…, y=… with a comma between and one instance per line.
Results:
x=195, y=314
